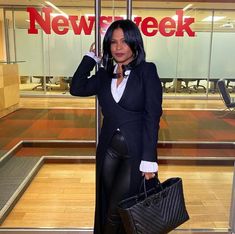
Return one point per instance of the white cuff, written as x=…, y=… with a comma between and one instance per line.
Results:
x=146, y=166
x=92, y=55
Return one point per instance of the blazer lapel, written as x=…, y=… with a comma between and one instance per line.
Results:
x=128, y=86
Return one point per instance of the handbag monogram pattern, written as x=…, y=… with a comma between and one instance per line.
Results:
x=156, y=211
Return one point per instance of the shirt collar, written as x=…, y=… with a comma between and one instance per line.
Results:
x=126, y=73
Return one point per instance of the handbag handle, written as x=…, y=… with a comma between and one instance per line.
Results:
x=143, y=183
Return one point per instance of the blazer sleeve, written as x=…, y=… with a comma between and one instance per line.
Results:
x=152, y=112
x=82, y=84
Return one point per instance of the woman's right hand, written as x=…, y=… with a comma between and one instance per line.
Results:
x=92, y=49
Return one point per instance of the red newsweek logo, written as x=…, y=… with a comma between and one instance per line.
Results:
x=149, y=26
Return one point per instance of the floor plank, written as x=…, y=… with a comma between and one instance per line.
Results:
x=62, y=195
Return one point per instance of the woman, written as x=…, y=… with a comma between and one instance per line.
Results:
x=130, y=96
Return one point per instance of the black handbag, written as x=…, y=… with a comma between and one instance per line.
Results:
x=157, y=210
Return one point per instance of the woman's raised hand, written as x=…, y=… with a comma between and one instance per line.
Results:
x=92, y=47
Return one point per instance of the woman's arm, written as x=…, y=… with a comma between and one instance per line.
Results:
x=81, y=85
x=152, y=113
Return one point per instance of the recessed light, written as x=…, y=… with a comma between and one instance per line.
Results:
x=213, y=18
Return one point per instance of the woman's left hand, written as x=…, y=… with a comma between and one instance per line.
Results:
x=148, y=175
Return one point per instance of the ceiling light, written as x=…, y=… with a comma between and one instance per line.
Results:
x=187, y=7
x=213, y=18
x=57, y=9
x=175, y=17
x=227, y=25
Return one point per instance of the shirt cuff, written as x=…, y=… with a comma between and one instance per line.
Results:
x=146, y=166
x=92, y=55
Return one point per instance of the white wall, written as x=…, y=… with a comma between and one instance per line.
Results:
x=50, y=55
x=223, y=55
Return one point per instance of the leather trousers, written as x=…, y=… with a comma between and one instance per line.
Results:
x=116, y=179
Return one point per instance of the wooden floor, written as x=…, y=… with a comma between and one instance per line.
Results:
x=79, y=102
x=62, y=195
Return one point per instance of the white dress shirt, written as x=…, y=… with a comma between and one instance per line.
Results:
x=117, y=92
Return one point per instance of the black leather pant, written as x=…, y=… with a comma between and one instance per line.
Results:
x=116, y=177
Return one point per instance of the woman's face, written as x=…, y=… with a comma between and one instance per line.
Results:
x=120, y=50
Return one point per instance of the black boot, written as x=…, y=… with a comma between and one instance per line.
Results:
x=111, y=228
x=114, y=226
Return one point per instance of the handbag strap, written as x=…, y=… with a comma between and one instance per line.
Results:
x=143, y=183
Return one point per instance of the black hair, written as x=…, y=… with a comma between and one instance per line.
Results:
x=133, y=39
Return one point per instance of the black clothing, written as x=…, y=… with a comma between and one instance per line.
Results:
x=116, y=180
x=137, y=115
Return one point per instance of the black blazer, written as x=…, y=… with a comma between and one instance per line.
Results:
x=137, y=115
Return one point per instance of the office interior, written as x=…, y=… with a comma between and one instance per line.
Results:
x=187, y=66
x=48, y=135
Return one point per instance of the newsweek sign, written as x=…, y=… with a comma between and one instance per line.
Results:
x=149, y=26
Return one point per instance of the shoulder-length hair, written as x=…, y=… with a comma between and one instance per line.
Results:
x=132, y=37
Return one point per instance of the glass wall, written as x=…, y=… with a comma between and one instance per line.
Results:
x=188, y=65
x=191, y=66
x=222, y=54
x=47, y=61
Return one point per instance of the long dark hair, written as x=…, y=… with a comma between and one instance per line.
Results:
x=133, y=39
